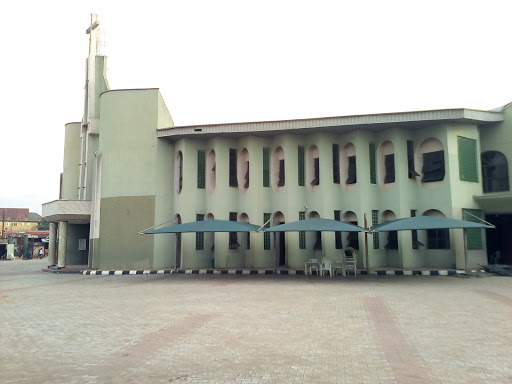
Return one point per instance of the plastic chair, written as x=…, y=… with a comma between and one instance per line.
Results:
x=337, y=265
x=351, y=260
x=314, y=264
x=326, y=266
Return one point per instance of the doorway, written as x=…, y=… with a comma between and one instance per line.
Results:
x=499, y=249
x=177, y=263
x=280, y=240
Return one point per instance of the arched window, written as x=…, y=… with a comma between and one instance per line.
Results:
x=243, y=170
x=392, y=241
x=211, y=174
x=312, y=167
x=386, y=163
x=437, y=238
x=494, y=172
x=277, y=169
x=352, y=239
x=348, y=166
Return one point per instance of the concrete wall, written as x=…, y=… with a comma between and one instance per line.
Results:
x=71, y=166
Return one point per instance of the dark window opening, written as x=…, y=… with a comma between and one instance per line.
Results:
x=373, y=164
x=280, y=181
x=414, y=234
x=352, y=174
x=494, y=172
x=389, y=163
x=318, y=242
x=316, y=166
x=336, y=164
x=201, y=169
x=199, y=235
x=438, y=239
x=301, y=170
x=337, y=234
x=232, y=168
x=433, y=166
x=410, y=160
x=233, y=236
x=266, y=167
x=353, y=238
x=392, y=240
x=246, y=185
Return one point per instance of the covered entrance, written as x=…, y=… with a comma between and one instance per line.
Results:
x=499, y=248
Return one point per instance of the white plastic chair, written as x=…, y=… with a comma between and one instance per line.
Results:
x=337, y=265
x=313, y=265
x=326, y=266
x=351, y=260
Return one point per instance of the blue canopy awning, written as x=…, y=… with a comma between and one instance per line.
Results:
x=425, y=222
x=314, y=225
x=207, y=226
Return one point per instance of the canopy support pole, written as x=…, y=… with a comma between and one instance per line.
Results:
x=466, y=270
x=366, y=245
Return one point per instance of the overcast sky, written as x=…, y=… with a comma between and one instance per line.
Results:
x=232, y=61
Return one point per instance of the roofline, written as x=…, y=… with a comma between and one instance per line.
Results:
x=129, y=89
x=351, y=121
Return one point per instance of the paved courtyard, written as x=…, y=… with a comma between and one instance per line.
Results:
x=58, y=328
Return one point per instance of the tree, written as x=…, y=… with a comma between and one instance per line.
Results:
x=43, y=226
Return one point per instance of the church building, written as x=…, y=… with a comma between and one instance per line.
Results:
x=128, y=168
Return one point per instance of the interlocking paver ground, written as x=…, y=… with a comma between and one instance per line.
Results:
x=57, y=328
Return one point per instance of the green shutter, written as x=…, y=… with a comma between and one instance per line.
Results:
x=468, y=167
x=302, y=234
x=474, y=236
x=266, y=235
x=375, y=220
x=266, y=167
x=201, y=167
x=301, y=161
x=199, y=235
x=373, y=165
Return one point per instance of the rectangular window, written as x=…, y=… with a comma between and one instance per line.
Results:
x=199, y=235
x=373, y=164
x=232, y=168
x=280, y=181
x=468, y=167
x=410, y=160
x=266, y=235
x=389, y=163
x=201, y=168
x=316, y=170
x=433, y=166
x=335, y=163
x=302, y=234
x=337, y=234
x=474, y=236
x=438, y=238
x=266, y=167
x=82, y=244
x=300, y=164
x=233, y=236
x=352, y=173
x=375, y=220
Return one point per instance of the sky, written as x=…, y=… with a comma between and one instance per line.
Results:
x=234, y=61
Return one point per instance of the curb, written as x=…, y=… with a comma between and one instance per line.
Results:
x=398, y=272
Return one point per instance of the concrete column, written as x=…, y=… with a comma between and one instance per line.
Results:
x=63, y=235
x=52, y=244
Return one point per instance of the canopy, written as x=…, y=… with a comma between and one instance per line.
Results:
x=315, y=225
x=207, y=226
x=425, y=222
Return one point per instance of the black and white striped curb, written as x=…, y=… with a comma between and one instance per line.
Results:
x=397, y=272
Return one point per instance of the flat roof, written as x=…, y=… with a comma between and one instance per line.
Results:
x=339, y=124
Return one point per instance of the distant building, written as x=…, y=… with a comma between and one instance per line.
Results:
x=14, y=221
x=128, y=168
